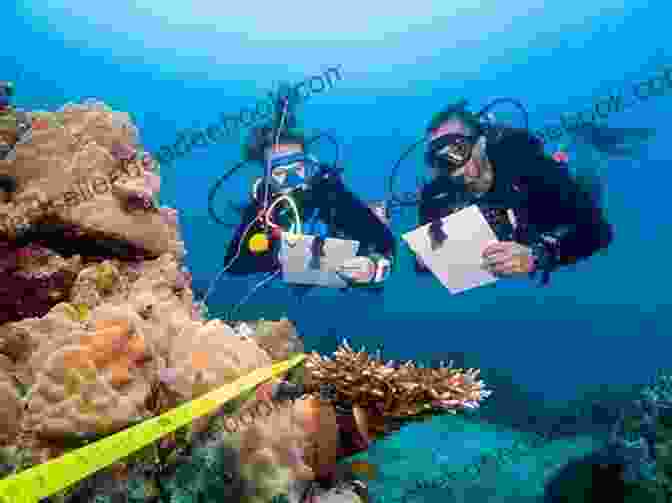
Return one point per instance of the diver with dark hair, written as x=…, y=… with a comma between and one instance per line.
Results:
x=542, y=216
x=615, y=142
x=298, y=189
x=15, y=124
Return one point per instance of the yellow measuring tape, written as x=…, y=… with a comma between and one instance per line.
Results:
x=41, y=481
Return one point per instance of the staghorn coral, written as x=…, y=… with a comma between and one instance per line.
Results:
x=390, y=390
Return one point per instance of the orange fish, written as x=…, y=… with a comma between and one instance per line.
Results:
x=364, y=469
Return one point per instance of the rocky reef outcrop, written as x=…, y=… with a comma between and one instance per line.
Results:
x=99, y=332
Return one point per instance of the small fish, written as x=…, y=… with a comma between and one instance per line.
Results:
x=440, y=458
x=620, y=142
x=364, y=469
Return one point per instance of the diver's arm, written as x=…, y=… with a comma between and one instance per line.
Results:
x=424, y=218
x=243, y=262
x=579, y=225
x=353, y=217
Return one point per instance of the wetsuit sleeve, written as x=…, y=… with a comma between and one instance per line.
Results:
x=424, y=217
x=578, y=225
x=244, y=262
x=347, y=213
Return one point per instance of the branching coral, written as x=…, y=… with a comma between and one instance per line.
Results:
x=391, y=390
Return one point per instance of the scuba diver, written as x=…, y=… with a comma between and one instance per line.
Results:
x=617, y=142
x=543, y=217
x=15, y=124
x=295, y=184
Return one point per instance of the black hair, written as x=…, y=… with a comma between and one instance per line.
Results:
x=283, y=120
x=457, y=111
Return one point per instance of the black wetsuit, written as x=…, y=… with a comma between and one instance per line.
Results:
x=548, y=205
x=345, y=215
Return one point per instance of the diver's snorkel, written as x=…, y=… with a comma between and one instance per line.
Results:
x=267, y=175
x=260, y=242
x=312, y=160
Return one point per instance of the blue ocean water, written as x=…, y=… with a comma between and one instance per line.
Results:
x=604, y=323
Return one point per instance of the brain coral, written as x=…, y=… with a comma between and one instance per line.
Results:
x=98, y=382
x=208, y=356
x=278, y=338
x=301, y=437
x=11, y=406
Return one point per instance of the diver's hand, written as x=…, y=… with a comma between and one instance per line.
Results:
x=357, y=270
x=508, y=258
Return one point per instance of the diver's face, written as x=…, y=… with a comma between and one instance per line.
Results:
x=282, y=174
x=473, y=173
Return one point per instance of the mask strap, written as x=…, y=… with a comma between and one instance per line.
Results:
x=483, y=144
x=286, y=160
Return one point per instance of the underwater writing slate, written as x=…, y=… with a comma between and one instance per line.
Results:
x=456, y=263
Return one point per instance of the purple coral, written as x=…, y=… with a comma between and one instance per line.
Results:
x=123, y=152
x=139, y=201
x=197, y=311
x=183, y=279
x=152, y=182
x=8, y=258
x=147, y=161
x=169, y=215
x=30, y=296
x=168, y=375
x=296, y=455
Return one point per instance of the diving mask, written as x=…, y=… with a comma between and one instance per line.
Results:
x=451, y=151
x=289, y=171
x=6, y=93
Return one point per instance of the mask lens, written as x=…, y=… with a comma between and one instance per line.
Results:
x=291, y=175
x=453, y=150
x=280, y=175
x=456, y=152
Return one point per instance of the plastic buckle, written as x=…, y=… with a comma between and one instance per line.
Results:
x=292, y=238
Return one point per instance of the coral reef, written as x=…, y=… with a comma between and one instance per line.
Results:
x=391, y=389
x=278, y=338
x=635, y=463
x=99, y=331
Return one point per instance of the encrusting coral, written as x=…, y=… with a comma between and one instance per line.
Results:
x=278, y=338
x=106, y=334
